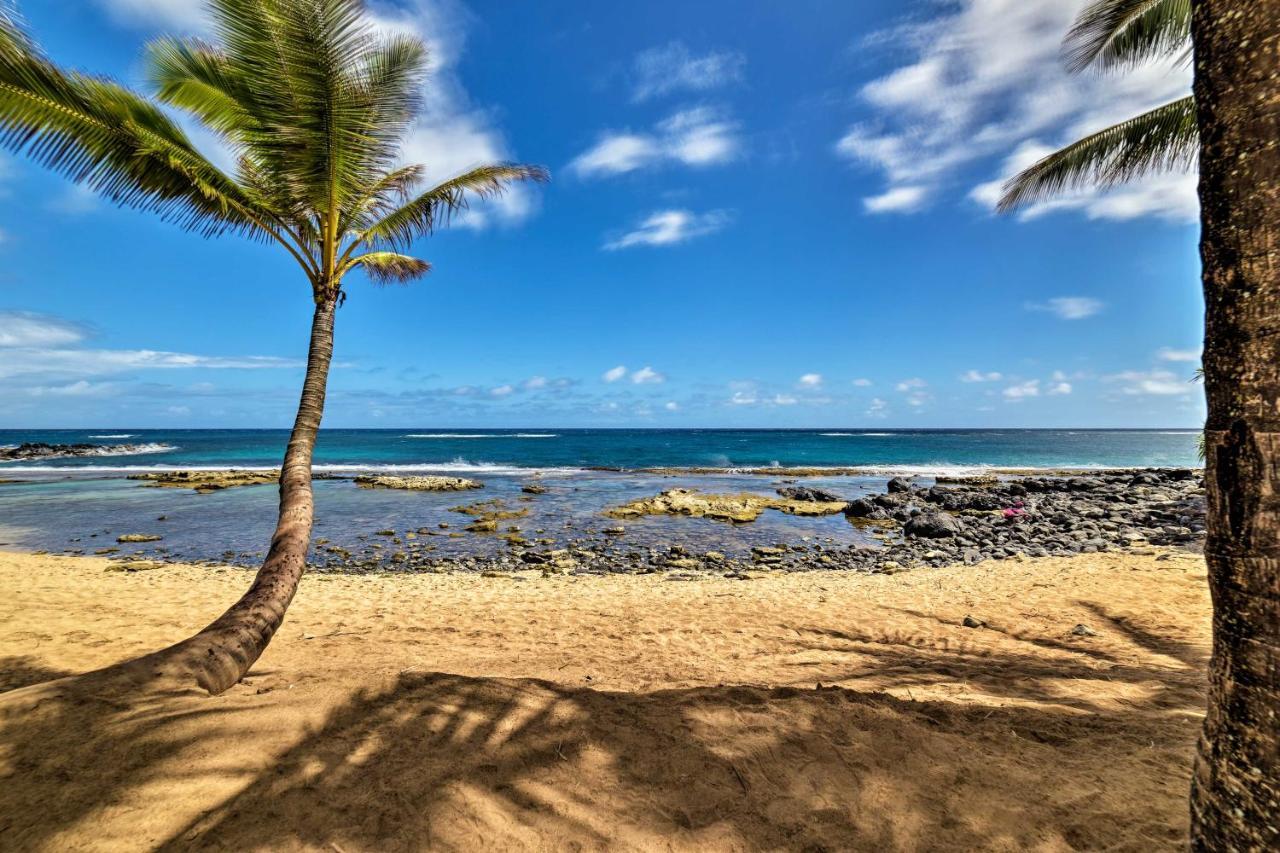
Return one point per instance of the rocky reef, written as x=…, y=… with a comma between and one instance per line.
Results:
x=739, y=509
x=33, y=450
x=417, y=484
x=205, y=482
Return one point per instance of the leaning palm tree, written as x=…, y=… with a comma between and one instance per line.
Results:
x=1114, y=35
x=314, y=103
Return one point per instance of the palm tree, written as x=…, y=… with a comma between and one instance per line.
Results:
x=314, y=103
x=1235, y=795
x=1116, y=35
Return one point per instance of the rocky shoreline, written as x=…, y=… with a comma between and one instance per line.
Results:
x=911, y=525
x=36, y=450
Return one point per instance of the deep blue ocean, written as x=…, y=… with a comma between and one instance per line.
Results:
x=81, y=505
x=498, y=450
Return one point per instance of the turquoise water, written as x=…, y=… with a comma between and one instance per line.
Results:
x=82, y=505
x=499, y=451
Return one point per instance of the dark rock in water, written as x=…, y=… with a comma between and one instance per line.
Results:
x=933, y=526
x=40, y=450
x=533, y=489
x=862, y=508
x=804, y=493
x=899, y=484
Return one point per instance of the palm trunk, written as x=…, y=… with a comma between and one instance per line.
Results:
x=1235, y=795
x=222, y=653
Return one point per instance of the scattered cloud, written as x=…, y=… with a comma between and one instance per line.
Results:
x=615, y=374
x=501, y=391
x=1068, y=307
x=1058, y=389
x=186, y=15
x=671, y=406
x=670, y=227
x=1170, y=354
x=25, y=329
x=897, y=200
x=862, y=383
x=671, y=68
x=911, y=384
x=979, y=376
x=1030, y=388
x=533, y=383
x=647, y=376
x=701, y=136
x=957, y=103
x=1157, y=383
x=811, y=380
x=784, y=400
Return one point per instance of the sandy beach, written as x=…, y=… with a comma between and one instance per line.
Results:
x=816, y=711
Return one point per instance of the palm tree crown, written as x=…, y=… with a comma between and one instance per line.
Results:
x=311, y=99
x=1116, y=35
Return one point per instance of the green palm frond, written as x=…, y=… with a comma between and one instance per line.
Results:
x=424, y=213
x=111, y=139
x=1112, y=34
x=391, y=267
x=1164, y=139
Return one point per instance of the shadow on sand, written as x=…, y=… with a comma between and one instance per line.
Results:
x=449, y=762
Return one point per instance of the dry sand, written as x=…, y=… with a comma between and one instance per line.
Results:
x=820, y=711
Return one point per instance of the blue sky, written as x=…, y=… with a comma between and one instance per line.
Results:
x=761, y=214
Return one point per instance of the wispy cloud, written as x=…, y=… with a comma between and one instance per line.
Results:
x=1030, y=388
x=897, y=200
x=811, y=380
x=959, y=103
x=672, y=68
x=695, y=137
x=1157, y=383
x=1068, y=307
x=614, y=374
x=979, y=376
x=862, y=383
x=1170, y=354
x=669, y=227
x=25, y=329
x=186, y=15
x=647, y=376
x=912, y=384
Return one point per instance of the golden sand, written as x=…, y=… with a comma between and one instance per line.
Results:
x=822, y=711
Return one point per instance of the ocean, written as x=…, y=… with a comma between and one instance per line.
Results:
x=80, y=505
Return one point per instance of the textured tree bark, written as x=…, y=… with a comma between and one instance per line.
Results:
x=222, y=653
x=1235, y=795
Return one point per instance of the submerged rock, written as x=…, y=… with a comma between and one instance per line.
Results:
x=139, y=537
x=418, y=484
x=739, y=509
x=207, y=481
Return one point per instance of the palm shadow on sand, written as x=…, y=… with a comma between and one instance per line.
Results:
x=451, y=762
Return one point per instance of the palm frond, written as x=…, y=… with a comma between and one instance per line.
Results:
x=391, y=267
x=1114, y=34
x=1163, y=139
x=424, y=213
x=116, y=142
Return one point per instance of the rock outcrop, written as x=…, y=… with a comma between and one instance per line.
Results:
x=418, y=484
x=739, y=509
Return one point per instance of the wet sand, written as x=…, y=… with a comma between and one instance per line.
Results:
x=818, y=711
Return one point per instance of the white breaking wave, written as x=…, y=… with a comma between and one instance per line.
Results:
x=120, y=435
x=836, y=434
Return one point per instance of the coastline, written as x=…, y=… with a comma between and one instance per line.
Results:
x=624, y=711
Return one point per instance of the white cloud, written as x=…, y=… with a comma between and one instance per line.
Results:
x=862, y=383
x=700, y=136
x=1068, y=307
x=910, y=384
x=647, y=376
x=1059, y=388
x=985, y=78
x=671, y=68
x=1159, y=383
x=453, y=134
x=23, y=329
x=533, y=383
x=74, y=200
x=82, y=388
x=669, y=227
x=615, y=374
x=20, y=361
x=671, y=406
x=878, y=408
x=186, y=15
x=897, y=200
x=1170, y=354
x=979, y=376
x=811, y=380
x=501, y=391
x=1030, y=388
x=784, y=400
x=743, y=398
x=918, y=399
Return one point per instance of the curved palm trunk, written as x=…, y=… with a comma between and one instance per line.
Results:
x=1235, y=795
x=222, y=653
